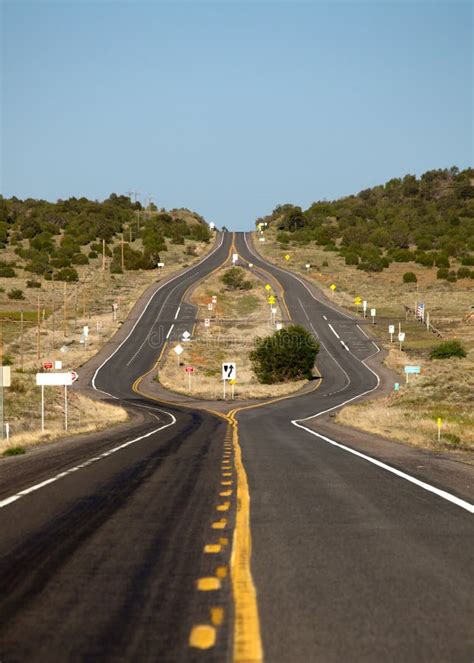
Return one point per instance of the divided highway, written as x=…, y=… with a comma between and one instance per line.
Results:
x=120, y=550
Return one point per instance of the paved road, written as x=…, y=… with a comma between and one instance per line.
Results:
x=102, y=564
x=350, y=562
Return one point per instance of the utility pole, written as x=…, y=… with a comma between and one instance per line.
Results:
x=122, y=253
x=21, y=339
x=103, y=255
x=38, y=329
x=53, y=313
x=1, y=379
x=65, y=310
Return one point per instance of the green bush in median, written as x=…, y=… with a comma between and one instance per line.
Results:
x=448, y=349
x=287, y=355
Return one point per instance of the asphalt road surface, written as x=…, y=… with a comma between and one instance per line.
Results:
x=102, y=544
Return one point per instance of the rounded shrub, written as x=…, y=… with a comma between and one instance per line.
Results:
x=448, y=349
x=410, y=277
x=287, y=355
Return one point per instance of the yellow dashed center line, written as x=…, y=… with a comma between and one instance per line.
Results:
x=223, y=507
x=212, y=548
x=203, y=636
x=208, y=584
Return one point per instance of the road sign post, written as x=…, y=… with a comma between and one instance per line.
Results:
x=373, y=313
x=229, y=372
x=364, y=308
x=411, y=370
x=178, y=349
x=55, y=380
x=189, y=370
x=401, y=338
x=391, y=331
x=439, y=423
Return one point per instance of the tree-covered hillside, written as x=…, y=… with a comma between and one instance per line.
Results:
x=49, y=239
x=429, y=220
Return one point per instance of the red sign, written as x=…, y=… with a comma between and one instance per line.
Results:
x=189, y=369
x=74, y=376
x=47, y=365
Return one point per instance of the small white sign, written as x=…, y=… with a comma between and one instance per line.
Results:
x=250, y=264
x=178, y=349
x=229, y=370
x=58, y=365
x=212, y=226
x=54, y=379
x=274, y=309
x=85, y=330
x=6, y=376
x=401, y=337
x=210, y=306
x=391, y=329
x=235, y=257
x=186, y=335
x=308, y=265
x=364, y=305
x=160, y=265
x=261, y=239
x=373, y=312
x=214, y=299
x=207, y=322
x=279, y=326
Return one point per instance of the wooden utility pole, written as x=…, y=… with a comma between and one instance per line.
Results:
x=122, y=253
x=53, y=314
x=65, y=310
x=1, y=379
x=103, y=255
x=38, y=329
x=21, y=339
x=84, y=303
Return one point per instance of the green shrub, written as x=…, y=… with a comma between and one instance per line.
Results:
x=467, y=260
x=16, y=293
x=92, y=255
x=442, y=273
x=410, y=277
x=352, y=259
x=325, y=263
x=7, y=271
x=464, y=273
x=80, y=259
x=283, y=237
x=234, y=279
x=448, y=349
x=67, y=274
x=442, y=261
x=287, y=355
x=33, y=284
x=14, y=451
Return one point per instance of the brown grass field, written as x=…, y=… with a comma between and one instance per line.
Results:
x=62, y=312
x=240, y=317
x=445, y=388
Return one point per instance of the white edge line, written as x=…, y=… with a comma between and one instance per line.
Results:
x=177, y=312
x=421, y=484
x=170, y=330
x=32, y=489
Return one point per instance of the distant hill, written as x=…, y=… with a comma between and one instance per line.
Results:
x=50, y=238
x=427, y=219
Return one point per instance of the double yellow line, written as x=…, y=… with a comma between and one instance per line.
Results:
x=247, y=638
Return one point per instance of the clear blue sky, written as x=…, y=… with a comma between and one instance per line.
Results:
x=231, y=108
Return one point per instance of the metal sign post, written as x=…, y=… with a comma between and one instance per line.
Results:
x=65, y=407
x=229, y=372
x=391, y=331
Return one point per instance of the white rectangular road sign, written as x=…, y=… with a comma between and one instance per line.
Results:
x=401, y=337
x=54, y=379
x=391, y=329
x=207, y=322
x=5, y=377
x=235, y=257
x=229, y=370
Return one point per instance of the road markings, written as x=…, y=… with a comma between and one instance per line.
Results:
x=344, y=345
x=209, y=584
x=94, y=377
x=220, y=524
x=212, y=548
x=169, y=331
x=222, y=572
x=223, y=507
x=217, y=615
x=422, y=484
x=333, y=330
x=13, y=498
x=225, y=493
x=324, y=317
x=203, y=636
x=177, y=312
x=247, y=639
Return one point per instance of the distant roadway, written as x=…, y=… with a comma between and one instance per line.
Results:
x=120, y=548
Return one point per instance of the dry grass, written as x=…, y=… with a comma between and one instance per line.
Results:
x=445, y=388
x=240, y=317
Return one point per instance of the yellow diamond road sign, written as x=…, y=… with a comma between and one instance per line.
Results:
x=271, y=299
x=287, y=257
x=232, y=381
x=357, y=300
x=268, y=287
x=333, y=286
